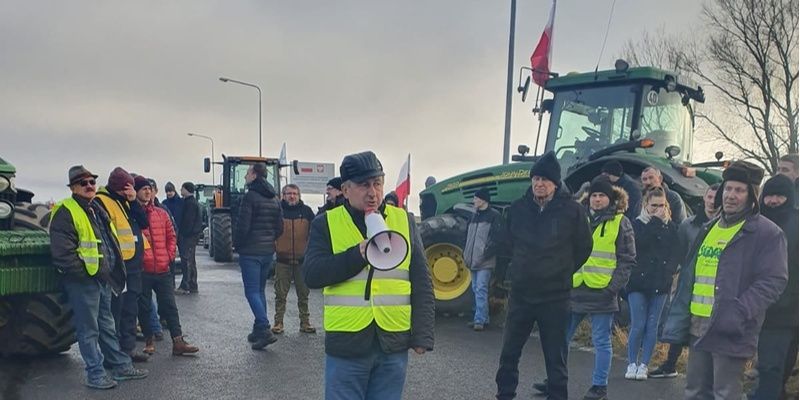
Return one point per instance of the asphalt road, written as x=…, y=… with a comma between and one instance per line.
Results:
x=218, y=319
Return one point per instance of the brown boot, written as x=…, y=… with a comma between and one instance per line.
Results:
x=180, y=347
x=277, y=328
x=149, y=346
x=306, y=327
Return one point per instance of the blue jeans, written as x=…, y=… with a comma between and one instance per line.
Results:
x=94, y=327
x=376, y=376
x=601, y=339
x=480, y=287
x=255, y=271
x=155, y=322
x=645, y=316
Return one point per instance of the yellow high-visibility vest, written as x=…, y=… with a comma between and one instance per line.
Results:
x=705, y=268
x=119, y=218
x=88, y=244
x=389, y=303
x=597, y=271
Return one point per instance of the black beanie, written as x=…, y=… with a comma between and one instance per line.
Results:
x=547, y=167
x=613, y=167
x=189, y=186
x=169, y=187
x=780, y=185
x=601, y=184
x=336, y=183
x=484, y=195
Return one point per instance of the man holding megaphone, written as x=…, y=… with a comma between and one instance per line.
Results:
x=379, y=301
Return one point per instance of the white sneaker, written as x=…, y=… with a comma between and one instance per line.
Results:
x=641, y=372
x=631, y=372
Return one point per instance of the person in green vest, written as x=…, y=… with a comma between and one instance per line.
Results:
x=86, y=253
x=371, y=317
x=596, y=285
x=735, y=269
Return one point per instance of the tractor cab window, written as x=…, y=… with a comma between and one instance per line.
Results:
x=586, y=120
x=667, y=121
x=238, y=183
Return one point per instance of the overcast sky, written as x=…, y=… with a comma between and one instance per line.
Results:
x=120, y=83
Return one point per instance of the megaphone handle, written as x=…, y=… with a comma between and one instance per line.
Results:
x=368, y=288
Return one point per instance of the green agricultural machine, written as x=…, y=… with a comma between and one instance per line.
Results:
x=638, y=116
x=34, y=317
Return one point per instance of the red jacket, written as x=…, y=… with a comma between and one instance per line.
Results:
x=161, y=236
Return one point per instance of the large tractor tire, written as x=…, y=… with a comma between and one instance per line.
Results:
x=443, y=237
x=34, y=324
x=221, y=237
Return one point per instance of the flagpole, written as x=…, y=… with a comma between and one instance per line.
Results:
x=509, y=82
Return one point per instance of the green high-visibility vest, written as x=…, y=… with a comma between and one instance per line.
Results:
x=389, y=303
x=596, y=272
x=88, y=244
x=705, y=268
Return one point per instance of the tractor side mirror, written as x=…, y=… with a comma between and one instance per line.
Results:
x=295, y=167
x=672, y=151
x=547, y=105
x=523, y=149
x=718, y=155
x=207, y=165
x=524, y=88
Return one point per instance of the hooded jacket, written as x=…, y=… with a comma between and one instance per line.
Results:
x=587, y=300
x=484, y=236
x=291, y=245
x=162, y=240
x=784, y=313
x=260, y=220
x=547, y=245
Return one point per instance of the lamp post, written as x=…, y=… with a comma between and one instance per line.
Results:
x=223, y=79
x=213, y=169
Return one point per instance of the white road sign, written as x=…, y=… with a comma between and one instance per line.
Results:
x=313, y=177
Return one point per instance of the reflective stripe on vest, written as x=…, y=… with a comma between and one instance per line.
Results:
x=119, y=217
x=597, y=271
x=705, y=268
x=88, y=249
x=390, y=296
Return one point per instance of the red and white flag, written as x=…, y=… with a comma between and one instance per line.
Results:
x=404, y=183
x=540, y=59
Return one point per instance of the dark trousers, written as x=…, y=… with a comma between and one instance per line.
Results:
x=553, y=319
x=165, y=297
x=777, y=354
x=125, y=310
x=187, y=247
x=674, y=352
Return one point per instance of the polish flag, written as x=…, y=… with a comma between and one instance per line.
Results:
x=404, y=183
x=540, y=59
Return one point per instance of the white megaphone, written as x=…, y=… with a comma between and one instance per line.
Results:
x=386, y=249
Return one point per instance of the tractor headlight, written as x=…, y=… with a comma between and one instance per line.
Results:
x=5, y=183
x=6, y=209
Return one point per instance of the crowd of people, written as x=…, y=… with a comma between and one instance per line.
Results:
x=715, y=282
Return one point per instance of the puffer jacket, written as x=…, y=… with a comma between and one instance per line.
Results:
x=260, y=220
x=161, y=236
x=584, y=299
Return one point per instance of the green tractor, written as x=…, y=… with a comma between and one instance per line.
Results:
x=224, y=207
x=34, y=316
x=638, y=116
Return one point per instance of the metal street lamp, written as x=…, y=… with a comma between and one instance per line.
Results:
x=223, y=79
x=213, y=169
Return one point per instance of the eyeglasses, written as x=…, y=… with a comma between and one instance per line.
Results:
x=88, y=182
x=657, y=205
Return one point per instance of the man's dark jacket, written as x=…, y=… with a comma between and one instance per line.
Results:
x=547, y=246
x=634, y=191
x=64, y=247
x=784, y=313
x=260, y=220
x=323, y=268
x=191, y=224
x=338, y=201
x=175, y=206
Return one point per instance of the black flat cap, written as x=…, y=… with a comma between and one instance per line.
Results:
x=360, y=167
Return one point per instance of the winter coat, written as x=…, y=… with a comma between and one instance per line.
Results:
x=751, y=275
x=783, y=314
x=634, y=191
x=323, y=268
x=191, y=225
x=162, y=240
x=676, y=205
x=340, y=200
x=137, y=219
x=484, y=236
x=547, y=245
x=584, y=299
x=291, y=245
x=657, y=257
x=688, y=231
x=260, y=220
x=175, y=205
x=64, y=247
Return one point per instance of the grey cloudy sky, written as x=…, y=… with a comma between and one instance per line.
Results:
x=120, y=83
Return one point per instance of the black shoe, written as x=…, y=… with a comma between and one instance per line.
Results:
x=541, y=387
x=596, y=393
x=264, y=339
x=662, y=372
x=252, y=336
